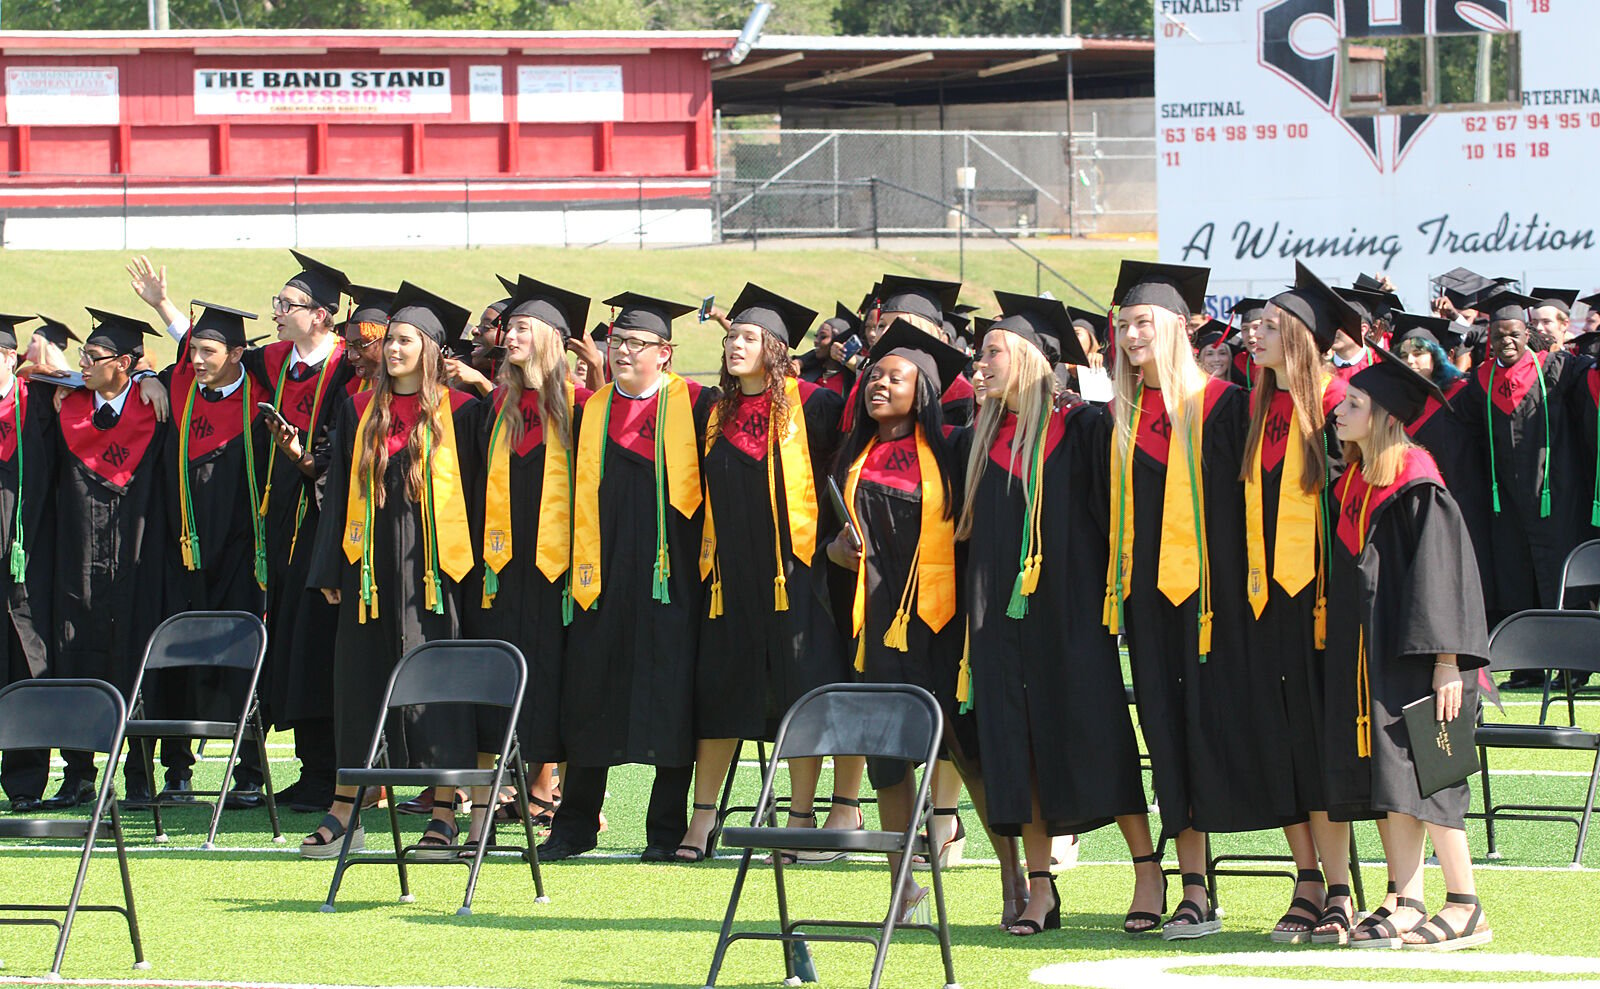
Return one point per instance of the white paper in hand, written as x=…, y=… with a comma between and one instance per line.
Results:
x=1094, y=384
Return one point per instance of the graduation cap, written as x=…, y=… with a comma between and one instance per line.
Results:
x=122, y=335
x=1045, y=323
x=1435, y=329
x=1372, y=305
x=8, y=329
x=1178, y=288
x=1459, y=278
x=510, y=285
x=925, y=297
x=641, y=312
x=785, y=319
x=1213, y=332
x=869, y=301
x=324, y=283
x=1586, y=343
x=1324, y=311
x=1592, y=301
x=441, y=320
x=956, y=326
x=220, y=323
x=939, y=361
x=547, y=303
x=373, y=305
x=844, y=323
x=1249, y=310
x=1095, y=322
x=1560, y=298
x=599, y=332
x=1392, y=384
x=55, y=331
x=1507, y=305
x=963, y=309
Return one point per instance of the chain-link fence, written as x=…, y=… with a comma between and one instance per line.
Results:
x=1016, y=183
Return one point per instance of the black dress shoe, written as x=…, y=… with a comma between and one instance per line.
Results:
x=555, y=851
x=176, y=792
x=245, y=796
x=26, y=805
x=135, y=792
x=658, y=853
x=73, y=793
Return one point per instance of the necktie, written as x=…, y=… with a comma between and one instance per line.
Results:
x=211, y=394
x=105, y=417
x=299, y=371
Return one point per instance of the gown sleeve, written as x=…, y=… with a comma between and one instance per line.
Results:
x=1442, y=612
x=327, y=556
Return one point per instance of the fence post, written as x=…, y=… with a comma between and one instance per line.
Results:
x=124, y=211
x=466, y=209
x=639, y=184
x=874, y=190
x=295, y=210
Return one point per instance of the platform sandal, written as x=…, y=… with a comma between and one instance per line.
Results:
x=1191, y=920
x=1380, y=931
x=823, y=857
x=1337, y=918
x=1470, y=936
x=1154, y=919
x=316, y=847
x=1311, y=912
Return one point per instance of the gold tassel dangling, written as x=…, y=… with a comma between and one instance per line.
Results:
x=1205, y=635
x=1320, y=623
x=716, y=599
x=1030, y=576
x=897, y=636
x=861, y=652
x=780, y=593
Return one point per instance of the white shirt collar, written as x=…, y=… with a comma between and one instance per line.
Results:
x=320, y=354
x=9, y=387
x=115, y=403
x=1340, y=362
x=647, y=392
x=227, y=390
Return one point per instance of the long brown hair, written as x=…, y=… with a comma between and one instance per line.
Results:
x=1386, y=450
x=778, y=364
x=546, y=371
x=373, y=464
x=1303, y=369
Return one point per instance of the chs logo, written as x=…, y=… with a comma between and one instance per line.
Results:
x=1300, y=40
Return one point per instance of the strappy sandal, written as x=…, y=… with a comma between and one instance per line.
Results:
x=1336, y=917
x=701, y=854
x=316, y=847
x=812, y=857
x=1026, y=927
x=1191, y=920
x=1381, y=932
x=784, y=855
x=1310, y=912
x=1469, y=936
x=1134, y=916
x=951, y=850
x=438, y=842
x=914, y=908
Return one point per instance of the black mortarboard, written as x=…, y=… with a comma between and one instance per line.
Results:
x=1415, y=326
x=1506, y=305
x=844, y=323
x=1586, y=343
x=1249, y=310
x=1212, y=332
x=933, y=357
x=599, y=333
x=1393, y=385
x=324, y=283
x=1371, y=305
x=1045, y=323
x=373, y=305
x=1095, y=321
x=870, y=301
x=548, y=304
x=122, y=335
x=1592, y=301
x=785, y=319
x=441, y=320
x=509, y=284
x=925, y=297
x=55, y=331
x=8, y=329
x=1561, y=298
x=641, y=312
x=1464, y=279
x=963, y=309
x=220, y=323
x=1324, y=311
x=1178, y=288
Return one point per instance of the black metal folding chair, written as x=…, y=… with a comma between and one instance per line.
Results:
x=196, y=641
x=85, y=715
x=885, y=721
x=485, y=672
x=1580, y=570
x=1526, y=641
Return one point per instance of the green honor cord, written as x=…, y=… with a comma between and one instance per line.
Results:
x=189, y=540
x=491, y=580
x=1203, y=606
x=19, y=556
x=1544, y=483
x=566, y=588
x=659, y=588
x=258, y=525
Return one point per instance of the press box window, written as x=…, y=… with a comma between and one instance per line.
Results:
x=1430, y=73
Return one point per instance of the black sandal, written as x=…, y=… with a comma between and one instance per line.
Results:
x=1025, y=927
x=701, y=854
x=789, y=857
x=1336, y=917
x=438, y=841
x=1310, y=912
x=1468, y=937
x=815, y=857
x=1135, y=916
x=315, y=847
x=1191, y=920
x=1380, y=931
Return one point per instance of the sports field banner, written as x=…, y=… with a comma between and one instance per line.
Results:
x=1402, y=136
x=297, y=90
x=66, y=95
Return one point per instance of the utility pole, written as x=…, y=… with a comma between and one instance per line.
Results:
x=1066, y=18
x=158, y=16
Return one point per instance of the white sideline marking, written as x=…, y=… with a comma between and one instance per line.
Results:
x=201, y=984
x=1188, y=971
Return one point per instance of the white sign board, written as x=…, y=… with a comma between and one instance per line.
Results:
x=1402, y=136
x=485, y=95
x=288, y=90
x=77, y=94
x=569, y=93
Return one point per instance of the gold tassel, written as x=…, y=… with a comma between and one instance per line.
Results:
x=1320, y=623
x=1363, y=737
x=716, y=599
x=896, y=637
x=1030, y=576
x=374, y=602
x=861, y=652
x=188, y=554
x=1205, y=633
x=430, y=595
x=780, y=593
x=964, y=673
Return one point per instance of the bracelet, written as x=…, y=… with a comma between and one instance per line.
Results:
x=1446, y=666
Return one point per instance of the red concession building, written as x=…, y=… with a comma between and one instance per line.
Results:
x=240, y=138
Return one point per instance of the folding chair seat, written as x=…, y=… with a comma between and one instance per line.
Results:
x=886, y=721
x=87, y=716
x=482, y=672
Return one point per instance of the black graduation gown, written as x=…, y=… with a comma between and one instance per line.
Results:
x=1456, y=442
x=28, y=602
x=814, y=369
x=527, y=608
x=364, y=654
x=1214, y=729
x=1047, y=689
x=301, y=625
x=755, y=662
x=1412, y=592
x=627, y=689
x=888, y=504
x=110, y=539
x=1527, y=549
x=1586, y=409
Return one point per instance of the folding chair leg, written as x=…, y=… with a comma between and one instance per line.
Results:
x=227, y=781
x=483, y=838
x=266, y=779
x=1588, y=813
x=1488, y=799
x=127, y=892
x=399, y=846
x=783, y=910
x=727, y=788
x=1211, y=873
x=520, y=769
x=1355, y=872
x=77, y=883
x=1572, y=710
x=897, y=901
x=727, y=920
x=344, y=850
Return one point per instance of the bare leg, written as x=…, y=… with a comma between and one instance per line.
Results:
x=712, y=758
x=1333, y=847
x=847, y=772
x=1402, y=847
x=1148, y=888
x=1013, y=882
x=482, y=804
x=803, y=776
x=1304, y=849
x=894, y=814
x=1192, y=860
x=1455, y=861
x=1036, y=846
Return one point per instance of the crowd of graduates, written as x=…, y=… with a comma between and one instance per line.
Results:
x=1297, y=522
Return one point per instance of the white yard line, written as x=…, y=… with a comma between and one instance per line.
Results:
x=1188, y=971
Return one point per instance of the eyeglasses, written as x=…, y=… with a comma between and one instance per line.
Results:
x=283, y=306
x=86, y=359
x=633, y=345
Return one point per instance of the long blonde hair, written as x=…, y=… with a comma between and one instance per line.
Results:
x=1303, y=367
x=1030, y=383
x=544, y=370
x=431, y=399
x=1385, y=450
x=1183, y=384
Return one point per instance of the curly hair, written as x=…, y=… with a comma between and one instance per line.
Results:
x=778, y=365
